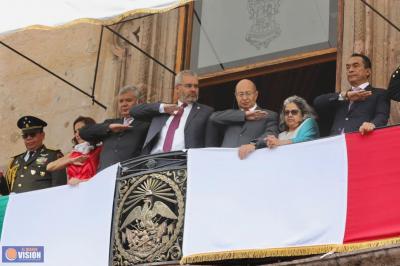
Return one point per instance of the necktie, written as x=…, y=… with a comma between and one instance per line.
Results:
x=353, y=89
x=30, y=154
x=169, y=138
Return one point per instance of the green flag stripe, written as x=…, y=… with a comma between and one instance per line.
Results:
x=3, y=207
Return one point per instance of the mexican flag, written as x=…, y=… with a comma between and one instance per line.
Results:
x=334, y=194
x=65, y=225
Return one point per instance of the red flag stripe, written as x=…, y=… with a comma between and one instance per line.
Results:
x=373, y=200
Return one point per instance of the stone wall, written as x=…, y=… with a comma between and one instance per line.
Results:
x=71, y=53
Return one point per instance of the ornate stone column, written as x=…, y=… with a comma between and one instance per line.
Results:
x=157, y=36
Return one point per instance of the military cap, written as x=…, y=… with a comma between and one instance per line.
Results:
x=31, y=124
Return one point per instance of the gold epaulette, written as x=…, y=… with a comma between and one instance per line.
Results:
x=12, y=172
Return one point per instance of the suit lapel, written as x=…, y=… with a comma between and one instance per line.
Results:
x=244, y=126
x=155, y=127
x=247, y=123
x=369, y=88
x=193, y=112
x=349, y=110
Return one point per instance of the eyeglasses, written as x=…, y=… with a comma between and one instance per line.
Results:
x=293, y=112
x=242, y=94
x=32, y=135
x=190, y=85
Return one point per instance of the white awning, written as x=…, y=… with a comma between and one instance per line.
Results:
x=20, y=14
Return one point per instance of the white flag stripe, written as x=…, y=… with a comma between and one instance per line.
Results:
x=72, y=222
x=290, y=196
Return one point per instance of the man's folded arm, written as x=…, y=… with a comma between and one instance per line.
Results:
x=145, y=111
x=228, y=117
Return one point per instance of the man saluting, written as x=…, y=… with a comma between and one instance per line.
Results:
x=27, y=171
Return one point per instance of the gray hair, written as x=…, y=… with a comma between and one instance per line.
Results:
x=180, y=75
x=137, y=92
x=306, y=110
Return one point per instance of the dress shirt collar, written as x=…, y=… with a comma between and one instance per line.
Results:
x=252, y=108
x=180, y=103
x=362, y=86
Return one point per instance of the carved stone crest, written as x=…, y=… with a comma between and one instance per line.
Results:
x=264, y=28
x=149, y=218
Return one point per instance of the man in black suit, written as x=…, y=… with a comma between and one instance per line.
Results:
x=361, y=108
x=394, y=86
x=122, y=137
x=247, y=126
x=175, y=126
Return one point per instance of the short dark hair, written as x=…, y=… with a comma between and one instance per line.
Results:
x=366, y=61
x=86, y=120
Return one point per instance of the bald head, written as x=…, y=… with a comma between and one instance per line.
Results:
x=246, y=94
x=245, y=83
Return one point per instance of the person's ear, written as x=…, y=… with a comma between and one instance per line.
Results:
x=369, y=71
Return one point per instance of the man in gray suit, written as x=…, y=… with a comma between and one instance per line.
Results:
x=122, y=137
x=246, y=127
x=175, y=126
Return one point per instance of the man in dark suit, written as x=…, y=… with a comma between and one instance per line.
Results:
x=175, y=126
x=394, y=86
x=247, y=126
x=27, y=171
x=361, y=108
x=122, y=137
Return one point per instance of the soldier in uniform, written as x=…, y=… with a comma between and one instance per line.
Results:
x=394, y=86
x=27, y=171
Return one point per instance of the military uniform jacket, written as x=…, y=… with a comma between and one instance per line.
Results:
x=31, y=175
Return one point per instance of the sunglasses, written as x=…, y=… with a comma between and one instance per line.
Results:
x=293, y=112
x=32, y=135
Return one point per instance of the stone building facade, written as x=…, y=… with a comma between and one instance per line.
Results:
x=71, y=52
